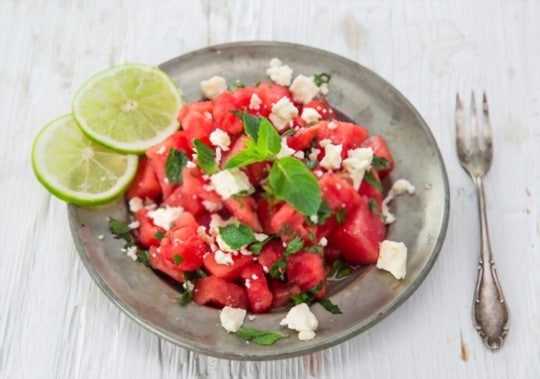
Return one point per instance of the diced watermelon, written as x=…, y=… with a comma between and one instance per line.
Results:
x=146, y=233
x=258, y=294
x=270, y=93
x=270, y=253
x=218, y=292
x=244, y=209
x=288, y=222
x=368, y=190
x=227, y=121
x=145, y=185
x=306, y=270
x=359, y=237
x=228, y=272
x=282, y=292
x=196, y=120
x=338, y=192
x=380, y=149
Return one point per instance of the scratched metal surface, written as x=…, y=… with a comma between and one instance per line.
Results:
x=55, y=322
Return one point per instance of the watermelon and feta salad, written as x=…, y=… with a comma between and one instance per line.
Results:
x=261, y=198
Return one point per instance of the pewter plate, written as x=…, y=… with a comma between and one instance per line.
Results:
x=367, y=296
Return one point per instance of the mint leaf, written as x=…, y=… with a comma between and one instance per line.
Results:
x=186, y=295
x=330, y=307
x=258, y=336
x=314, y=249
x=294, y=246
x=120, y=230
x=321, y=78
x=176, y=161
x=380, y=163
x=237, y=236
x=177, y=259
x=206, y=158
x=143, y=256
x=308, y=296
x=159, y=235
x=340, y=269
x=323, y=213
x=370, y=178
x=278, y=269
x=235, y=86
x=256, y=247
x=373, y=206
x=264, y=142
x=292, y=181
x=341, y=215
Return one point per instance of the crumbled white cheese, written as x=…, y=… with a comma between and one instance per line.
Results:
x=281, y=74
x=208, y=115
x=255, y=102
x=131, y=252
x=230, y=182
x=260, y=236
x=324, y=89
x=161, y=150
x=306, y=335
x=217, y=222
x=285, y=150
x=223, y=245
x=213, y=87
x=323, y=241
x=211, y=206
x=299, y=155
x=165, y=217
x=303, y=89
x=301, y=319
x=251, y=317
x=314, y=219
x=310, y=115
x=332, y=125
x=223, y=258
x=191, y=164
x=247, y=283
x=220, y=139
x=134, y=225
x=232, y=318
x=314, y=154
x=188, y=285
x=358, y=161
x=100, y=237
x=399, y=187
x=201, y=232
x=283, y=111
x=332, y=156
x=218, y=155
x=135, y=204
x=254, y=276
x=393, y=258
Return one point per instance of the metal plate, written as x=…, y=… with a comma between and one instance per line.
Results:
x=367, y=296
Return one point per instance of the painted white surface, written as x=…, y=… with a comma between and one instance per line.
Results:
x=54, y=321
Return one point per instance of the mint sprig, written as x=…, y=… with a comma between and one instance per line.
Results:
x=292, y=181
x=206, y=158
x=237, y=236
x=176, y=161
x=259, y=337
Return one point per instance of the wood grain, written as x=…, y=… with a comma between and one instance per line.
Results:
x=54, y=321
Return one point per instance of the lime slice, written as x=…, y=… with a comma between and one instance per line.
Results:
x=76, y=169
x=128, y=108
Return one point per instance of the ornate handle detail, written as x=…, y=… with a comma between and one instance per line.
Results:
x=490, y=311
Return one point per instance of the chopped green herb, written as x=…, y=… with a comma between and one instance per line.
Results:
x=235, y=86
x=323, y=213
x=373, y=206
x=143, y=256
x=322, y=78
x=206, y=158
x=237, y=235
x=341, y=215
x=177, y=259
x=314, y=249
x=290, y=132
x=294, y=246
x=308, y=296
x=256, y=247
x=159, y=235
x=278, y=269
x=176, y=161
x=194, y=275
x=380, y=163
x=258, y=336
x=330, y=307
x=120, y=230
x=312, y=237
x=292, y=181
x=186, y=296
x=340, y=269
x=370, y=178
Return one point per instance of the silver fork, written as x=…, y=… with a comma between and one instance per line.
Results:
x=490, y=311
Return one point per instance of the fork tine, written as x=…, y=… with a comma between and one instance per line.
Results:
x=486, y=120
x=460, y=121
x=474, y=125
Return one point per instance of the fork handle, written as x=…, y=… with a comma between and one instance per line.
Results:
x=490, y=311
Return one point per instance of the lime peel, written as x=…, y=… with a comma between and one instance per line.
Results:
x=128, y=108
x=76, y=169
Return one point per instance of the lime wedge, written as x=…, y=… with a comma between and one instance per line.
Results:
x=128, y=108
x=76, y=169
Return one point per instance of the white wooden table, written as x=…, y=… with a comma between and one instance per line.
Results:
x=55, y=322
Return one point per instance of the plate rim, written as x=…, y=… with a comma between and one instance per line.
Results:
x=341, y=337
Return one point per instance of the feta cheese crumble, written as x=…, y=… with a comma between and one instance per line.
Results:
x=165, y=217
x=135, y=204
x=283, y=111
x=223, y=258
x=310, y=115
x=399, y=187
x=230, y=182
x=332, y=156
x=232, y=318
x=255, y=102
x=303, y=89
x=357, y=162
x=131, y=252
x=279, y=73
x=393, y=258
x=220, y=139
x=213, y=87
x=301, y=319
x=285, y=150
